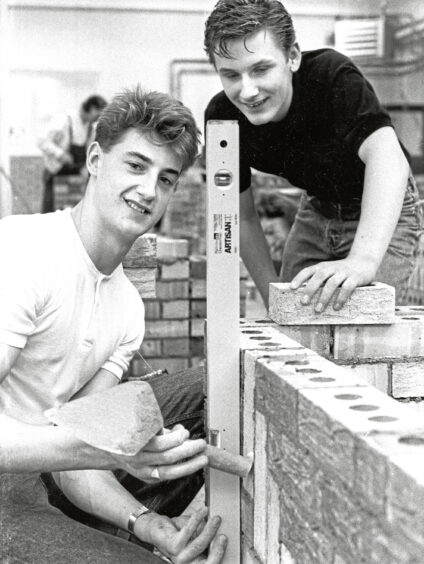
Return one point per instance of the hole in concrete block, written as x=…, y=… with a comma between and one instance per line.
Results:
x=321, y=379
x=252, y=332
x=412, y=440
x=382, y=418
x=410, y=318
x=417, y=308
x=308, y=370
x=364, y=407
x=259, y=338
x=297, y=362
x=292, y=348
x=270, y=344
x=348, y=396
x=263, y=321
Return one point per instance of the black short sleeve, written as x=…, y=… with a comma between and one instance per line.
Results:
x=356, y=109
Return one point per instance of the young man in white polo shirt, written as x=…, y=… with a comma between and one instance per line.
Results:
x=70, y=322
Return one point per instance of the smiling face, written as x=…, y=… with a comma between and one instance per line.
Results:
x=133, y=182
x=258, y=76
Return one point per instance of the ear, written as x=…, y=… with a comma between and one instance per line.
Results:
x=94, y=158
x=295, y=57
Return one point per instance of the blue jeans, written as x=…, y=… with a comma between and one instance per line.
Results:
x=38, y=525
x=326, y=232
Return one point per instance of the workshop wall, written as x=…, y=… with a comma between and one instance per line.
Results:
x=338, y=464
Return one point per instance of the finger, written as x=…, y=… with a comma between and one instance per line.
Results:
x=217, y=550
x=314, y=285
x=166, y=441
x=174, y=471
x=187, y=450
x=302, y=277
x=329, y=289
x=180, y=521
x=200, y=543
x=346, y=291
x=191, y=525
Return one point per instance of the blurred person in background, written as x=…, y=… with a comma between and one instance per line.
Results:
x=64, y=144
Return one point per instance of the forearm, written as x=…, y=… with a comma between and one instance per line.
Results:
x=39, y=448
x=384, y=190
x=256, y=256
x=99, y=493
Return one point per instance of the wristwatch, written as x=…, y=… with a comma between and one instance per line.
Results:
x=142, y=510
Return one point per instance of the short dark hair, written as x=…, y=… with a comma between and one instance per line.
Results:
x=235, y=19
x=94, y=101
x=152, y=112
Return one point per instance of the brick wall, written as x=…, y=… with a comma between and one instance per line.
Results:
x=175, y=313
x=338, y=463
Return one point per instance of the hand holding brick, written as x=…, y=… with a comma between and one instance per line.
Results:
x=374, y=304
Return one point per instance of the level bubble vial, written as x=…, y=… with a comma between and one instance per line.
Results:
x=223, y=178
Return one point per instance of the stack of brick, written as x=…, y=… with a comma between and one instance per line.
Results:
x=337, y=476
x=389, y=356
x=191, y=195
x=166, y=344
x=175, y=315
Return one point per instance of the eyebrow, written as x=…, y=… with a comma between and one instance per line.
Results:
x=256, y=64
x=147, y=160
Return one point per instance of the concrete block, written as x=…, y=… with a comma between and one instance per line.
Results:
x=179, y=270
x=260, y=496
x=176, y=309
x=144, y=279
x=317, y=338
x=248, y=410
x=273, y=521
x=151, y=309
x=344, y=519
x=405, y=494
x=176, y=347
x=374, y=304
x=248, y=555
x=389, y=545
x=376, y=375
x=167, y=329
x=175, y=290
x=331, y=419
x=175, y=248
x=403, y=339
x=304, y=543
x=151, y=348
x=266, y=337
x=408, y=379
x=198, y=289
x=246, y=515
x=415, y=407
x=296, y=471
x=285, y=556
x=197, y=327
x=142, y=254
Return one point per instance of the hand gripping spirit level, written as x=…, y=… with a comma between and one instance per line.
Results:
x=223, y=313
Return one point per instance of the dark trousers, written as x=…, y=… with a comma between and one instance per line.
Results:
x=38, y=525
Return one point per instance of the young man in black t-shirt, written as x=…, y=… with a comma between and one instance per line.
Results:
x=314, y=119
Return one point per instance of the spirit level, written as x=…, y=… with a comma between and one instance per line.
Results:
x=223, y=313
